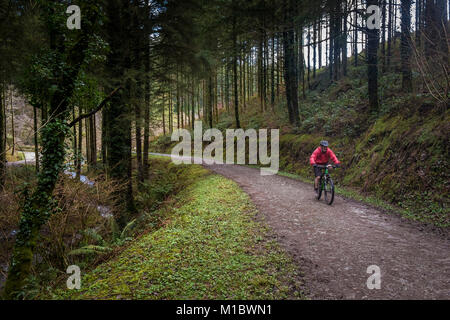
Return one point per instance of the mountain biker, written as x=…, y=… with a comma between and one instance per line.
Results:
x=321, y=156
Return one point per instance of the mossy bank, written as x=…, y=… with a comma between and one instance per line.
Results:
x=209, y=246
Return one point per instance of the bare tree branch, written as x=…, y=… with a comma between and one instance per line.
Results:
x=97, y=109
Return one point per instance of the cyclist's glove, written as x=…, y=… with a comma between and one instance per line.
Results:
x=337, y=165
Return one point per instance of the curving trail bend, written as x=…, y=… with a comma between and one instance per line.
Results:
x=334, y=245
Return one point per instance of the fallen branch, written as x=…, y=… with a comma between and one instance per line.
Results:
x=97, y=109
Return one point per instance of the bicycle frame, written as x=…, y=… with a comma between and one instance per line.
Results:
x=323, y=177
x=325, y=172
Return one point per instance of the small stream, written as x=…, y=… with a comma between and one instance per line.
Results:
x=83, y=178
x=104, y=211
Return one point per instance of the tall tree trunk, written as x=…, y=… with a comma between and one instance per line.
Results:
x=163, y=108
x=205, y=100
x=88, y=143
x=309, y=56
x=2, y=139
x=192, y=103
x=104, y=135
x=314, y=48
x=178, y=102
x=418, y=23
x=222, y=88
x=241, y=90
x=75, y=138
x=272, y=75
x=260, y=72
x=12, y=123
x=35, y=134
x=119, y=126
x=319, y=35
x=170, y=111
x=344, y=40
x=198, y=101
x=210, y=99
x=80, y=146
x=405, y=48
x=235, y=73
x=93, y=140
x=290, y=65
x=383, y=35
x=278, y=65
x=355, y=35
x=249, y=74
x=265, y=81
x=332, y=42
x=336, y=40
x=389, y=34
x=302, y=64
x=372, y=63
x=138, y=117
x=436, y=31
x=244, y=100
x=227, y=86
x=216, y=97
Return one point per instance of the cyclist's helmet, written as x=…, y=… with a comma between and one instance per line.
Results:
x=324, y=143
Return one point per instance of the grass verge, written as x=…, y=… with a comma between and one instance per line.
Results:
x=209, y=247
x=18, y=156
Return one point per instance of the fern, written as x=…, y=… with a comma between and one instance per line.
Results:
x=114, y=228
x=128, y=228
x=94, y=235
x=91, y=249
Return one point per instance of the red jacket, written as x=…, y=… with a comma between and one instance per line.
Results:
x=321, y=158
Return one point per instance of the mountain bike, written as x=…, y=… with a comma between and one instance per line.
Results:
x=326, y=185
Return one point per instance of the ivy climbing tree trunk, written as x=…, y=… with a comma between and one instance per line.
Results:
x=39, y=205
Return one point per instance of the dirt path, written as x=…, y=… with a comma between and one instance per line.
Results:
x=334, y=245
x=30, y=158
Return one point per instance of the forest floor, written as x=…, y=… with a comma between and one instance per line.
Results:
x=333, y=246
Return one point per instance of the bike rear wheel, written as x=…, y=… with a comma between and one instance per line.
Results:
x=329, y=191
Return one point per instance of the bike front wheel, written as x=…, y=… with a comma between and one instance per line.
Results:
x=329, y=191
x=319, y=190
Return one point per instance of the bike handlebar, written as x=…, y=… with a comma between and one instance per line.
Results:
x=325, y=166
